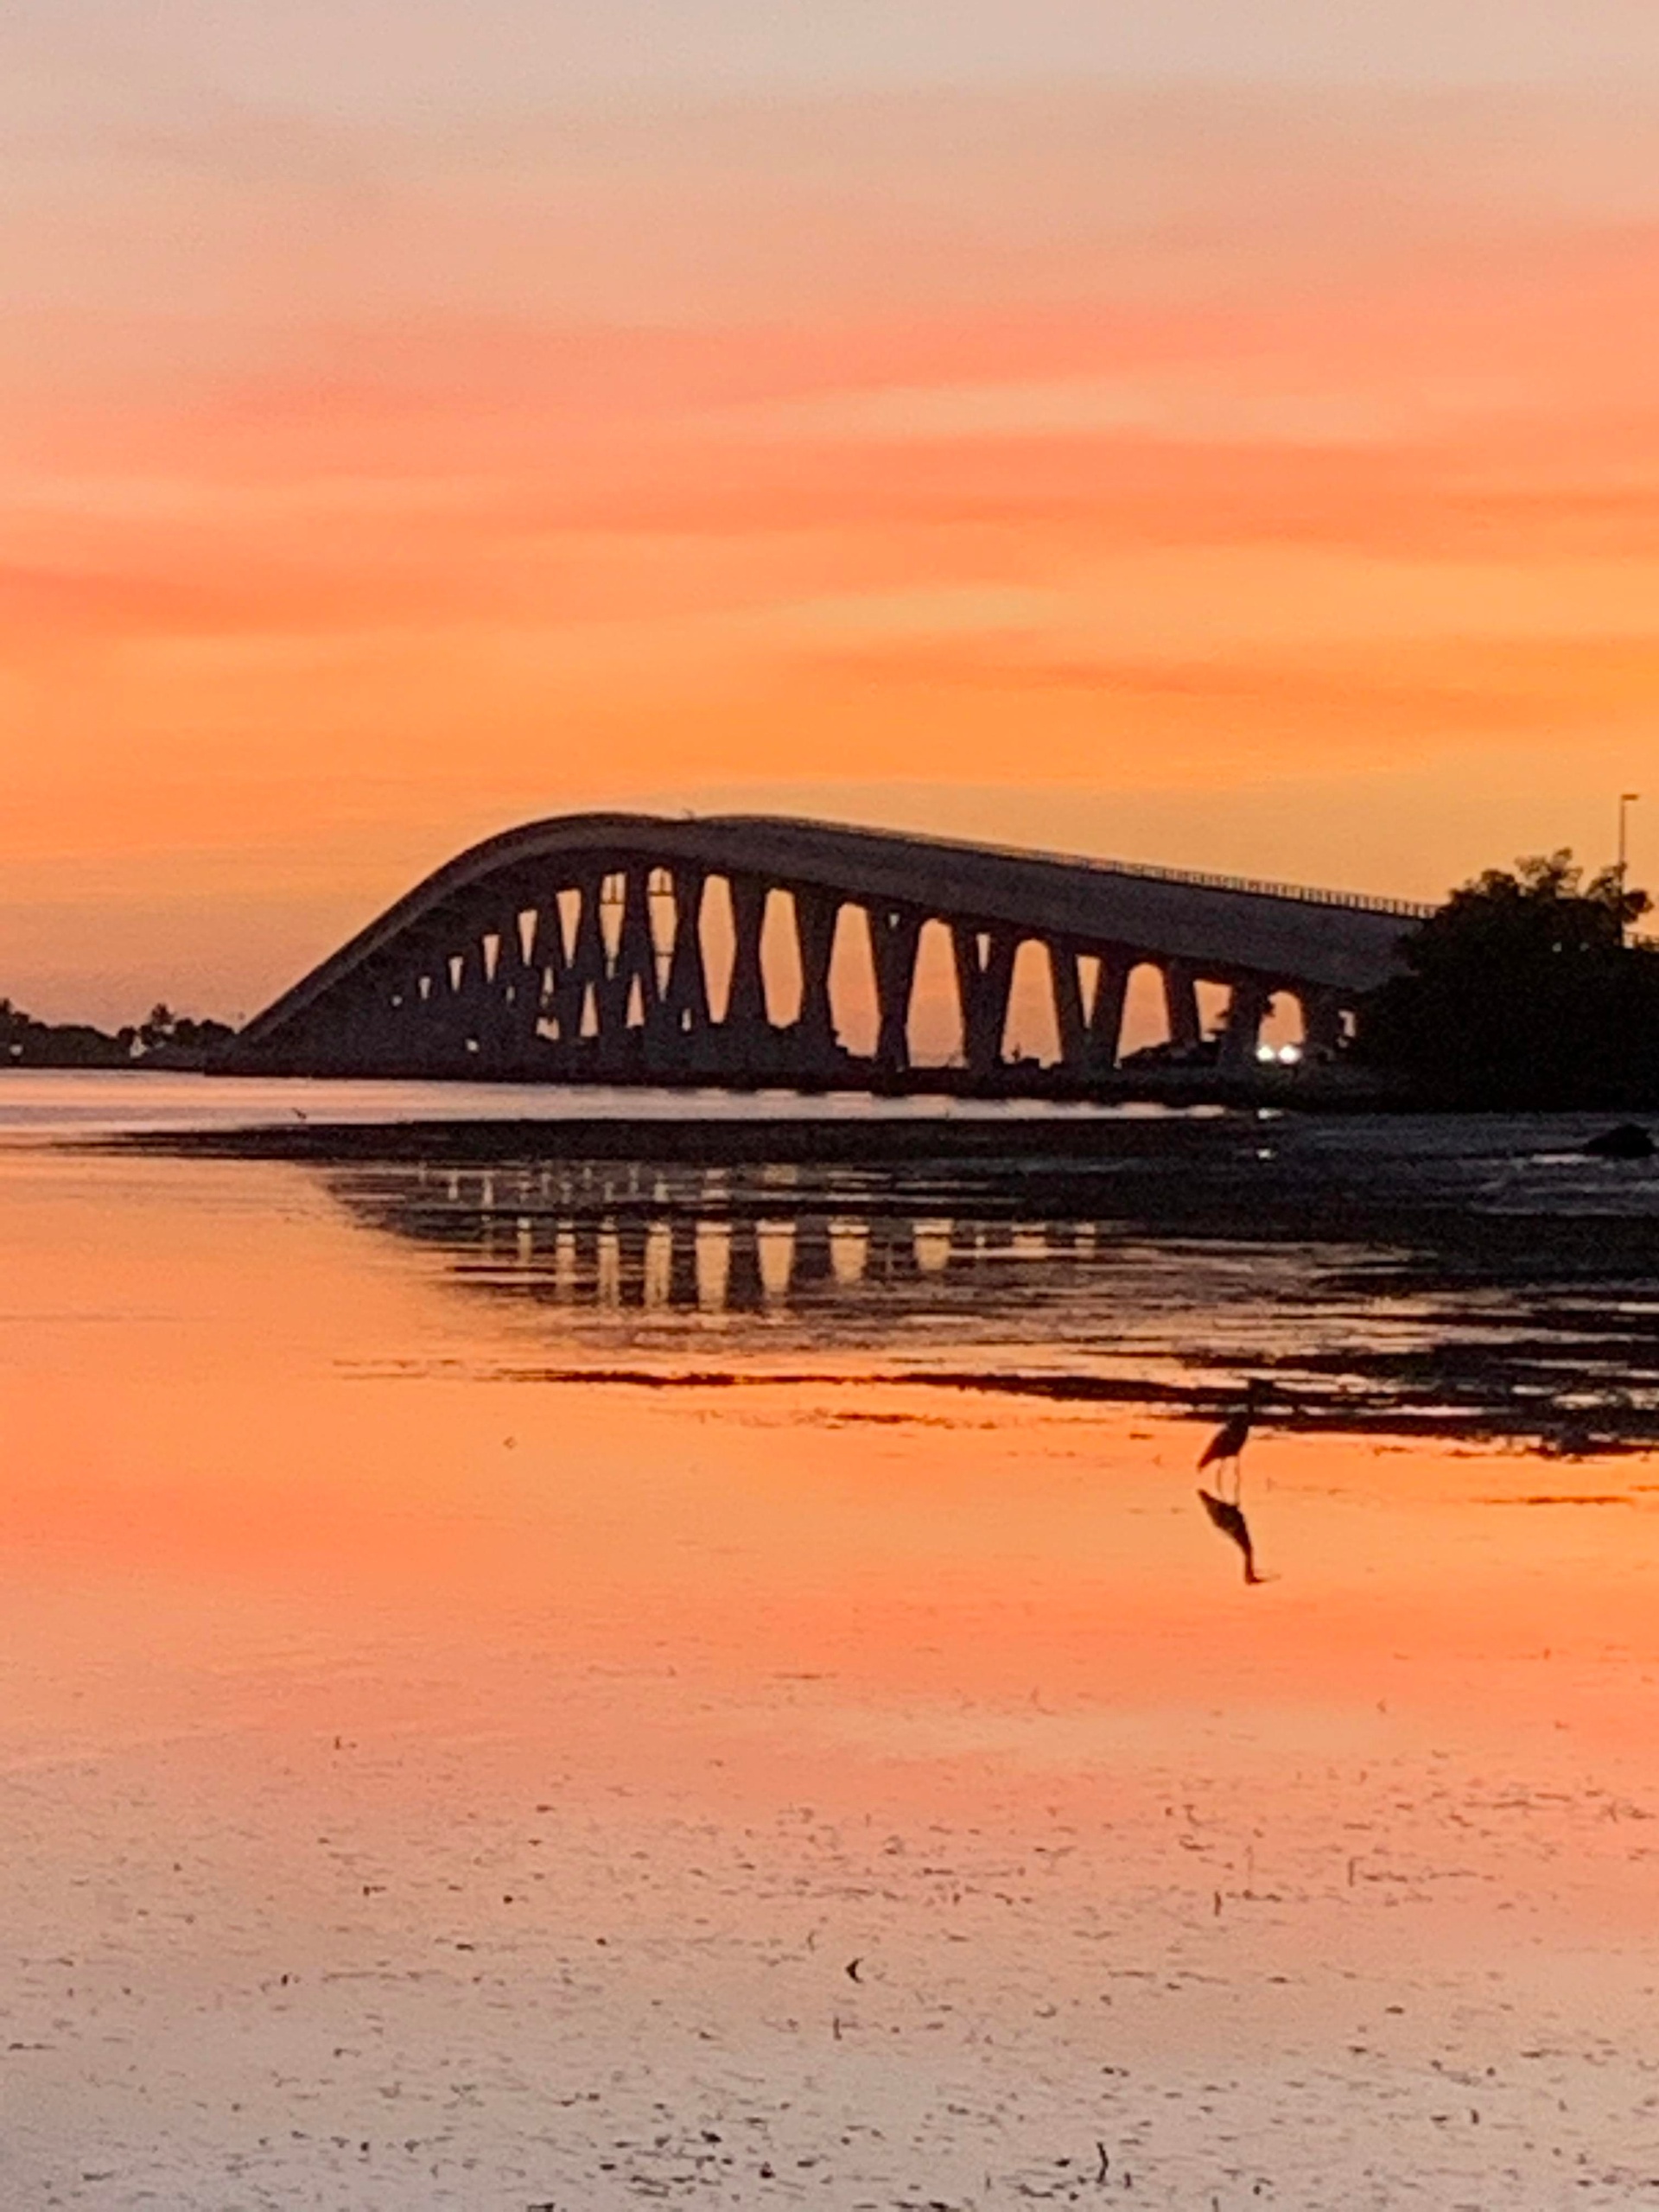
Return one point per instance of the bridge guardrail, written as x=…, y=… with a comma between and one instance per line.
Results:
x=1416, y=909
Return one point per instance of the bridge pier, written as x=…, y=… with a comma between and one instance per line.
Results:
x=984, y=962
x=503, y=1038
x=745, y=1000
x=456, y=997
x=1248, y=1007
x=816, y=913
x=635, y=963
x=1106, y=1013
x=895, y=933
x=683, y=1006
x=380, y=1023
x=1066, y=983
x=1089, y=1035
x=544, y=969
x=1181, y=1006
x=584, y=971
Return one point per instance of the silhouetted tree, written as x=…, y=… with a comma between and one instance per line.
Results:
x=1520, y=991
x=25, y=1042
x=160, y=1029
x=167, y=1039
x=177, y=1040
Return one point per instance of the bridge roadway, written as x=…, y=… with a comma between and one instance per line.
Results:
x=579, y=947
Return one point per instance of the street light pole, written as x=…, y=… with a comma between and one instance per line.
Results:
x=1626, y=801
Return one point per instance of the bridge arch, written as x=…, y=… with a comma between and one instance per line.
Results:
x=645, y=947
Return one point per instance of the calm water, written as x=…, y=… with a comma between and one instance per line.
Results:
x=546, y=1684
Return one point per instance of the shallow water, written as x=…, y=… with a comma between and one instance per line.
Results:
x=51, y=1102
x=441, y=1766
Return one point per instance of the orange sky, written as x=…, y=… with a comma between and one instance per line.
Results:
x=1237, y=451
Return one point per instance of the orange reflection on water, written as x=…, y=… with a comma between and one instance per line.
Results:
x=329, y=1647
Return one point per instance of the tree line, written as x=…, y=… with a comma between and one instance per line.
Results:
x=165, y=1040
x=1523, y=990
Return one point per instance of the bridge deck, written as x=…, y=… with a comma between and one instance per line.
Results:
x=1219, y=927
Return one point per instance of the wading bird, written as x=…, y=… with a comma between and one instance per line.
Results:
x=1231, y=1522
x=1230, y=1439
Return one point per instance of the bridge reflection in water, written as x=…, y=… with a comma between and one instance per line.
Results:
x=1061, y=1282
x=623, y=1237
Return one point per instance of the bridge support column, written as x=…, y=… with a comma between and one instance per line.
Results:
x=894, y=934
x=1247, y=1009
x=371, y=1022
x=745, y=1001
x=684, y=1003
x=544, y=971
x=1065, y=981
x=635, y=960
x=585, y=971
x=1106, y=1014
x=1322, y=1025
x=984, y=979
x=466, y=1008
x=513, y=981
x=1089, y=1040
x=1181, y=1006
x=407, y=1017
x=817, y=913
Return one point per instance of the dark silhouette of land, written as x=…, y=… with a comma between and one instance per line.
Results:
x=1523, y=991
x=165, y=1040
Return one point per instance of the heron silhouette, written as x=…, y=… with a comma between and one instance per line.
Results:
x=1226, y=1446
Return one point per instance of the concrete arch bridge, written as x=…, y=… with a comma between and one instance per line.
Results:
x=636, y=947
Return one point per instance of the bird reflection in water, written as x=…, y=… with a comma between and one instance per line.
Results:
x=1224, y=1449
x=1231, y=1522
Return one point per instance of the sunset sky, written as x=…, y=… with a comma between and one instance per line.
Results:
x=1215, y=435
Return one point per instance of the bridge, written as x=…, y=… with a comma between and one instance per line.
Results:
x=591, y=947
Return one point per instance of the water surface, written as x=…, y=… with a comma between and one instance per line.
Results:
x=531, y=1684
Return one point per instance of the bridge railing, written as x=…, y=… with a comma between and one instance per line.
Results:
x=1361, y=902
